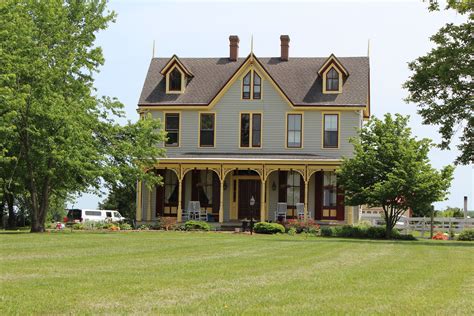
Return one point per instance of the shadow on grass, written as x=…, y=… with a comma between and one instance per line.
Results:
x=418, y=242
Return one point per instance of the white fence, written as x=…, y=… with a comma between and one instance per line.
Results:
x=423, y=224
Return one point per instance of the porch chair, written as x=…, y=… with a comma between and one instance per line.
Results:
x=201, y=215
x=281, y=211
x=300, y=210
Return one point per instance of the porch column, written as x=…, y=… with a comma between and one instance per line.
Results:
x=221, y=202
x=306, y=200
x=148, y=207
x=139, y=201
x=180, y=209
x=262, y=201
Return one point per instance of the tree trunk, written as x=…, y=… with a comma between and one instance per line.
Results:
x=11, y=213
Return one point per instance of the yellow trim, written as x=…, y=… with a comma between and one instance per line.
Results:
x=252, y=72
x=338, y=129
x=148, y=211
x=332, y=59
x=170, y=62
x=199, y=129
x=302, y=129
x=183, y=79
x=179, y=128
x=139, y=201
x=339, y=90
x=251, y=113
x=185, y=107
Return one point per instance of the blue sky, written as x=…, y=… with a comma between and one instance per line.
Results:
x=399, y=32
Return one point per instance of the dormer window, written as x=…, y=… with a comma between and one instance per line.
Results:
x=176, y=76
x=332, y=80
x=252, y=86
x=333, y=73
x=175, y=80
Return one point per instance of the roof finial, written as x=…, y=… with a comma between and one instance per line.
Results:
x=368, y=47
x=251, y=45
x=153, y=52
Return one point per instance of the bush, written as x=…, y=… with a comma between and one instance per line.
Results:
x=302, y=226
x=466, y=235
x=292, y=231
x=269, y=228
x=326, y=231
x=78, y=226
x=376, y=232
x=125, y=226
x=197, y=225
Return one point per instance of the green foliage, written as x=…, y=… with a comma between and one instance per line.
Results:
x=466, y=235
x=441, y=82
x=291, y=231
x=59, y=134
x=377, y=232
x=125, y=226
x=326, y=231
x=390, y=168
x=78, y=226
x=452, y=212
x=121, y=197
x=269, y=228
x=308, y=226
x=197, y=225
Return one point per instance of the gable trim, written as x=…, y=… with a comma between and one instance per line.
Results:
x=333, y=60
x=175, y=60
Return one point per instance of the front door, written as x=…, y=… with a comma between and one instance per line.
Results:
x=247, y=189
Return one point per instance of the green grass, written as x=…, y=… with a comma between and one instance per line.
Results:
x=213, y=273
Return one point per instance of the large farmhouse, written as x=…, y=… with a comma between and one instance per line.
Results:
x=253, y=137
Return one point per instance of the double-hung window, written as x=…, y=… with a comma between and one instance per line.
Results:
x=252, y=86
x=251, y=130
x=332, y=80
x=294, y=130
x=207, y=129
x=172, y=129
x=331, y=131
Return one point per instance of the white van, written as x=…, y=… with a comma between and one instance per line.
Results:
x=84, y=215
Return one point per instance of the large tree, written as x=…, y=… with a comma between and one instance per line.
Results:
x=441, y=83
x=66, y=138
x=390, y=169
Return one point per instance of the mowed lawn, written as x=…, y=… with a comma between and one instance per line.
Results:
x=219, y=273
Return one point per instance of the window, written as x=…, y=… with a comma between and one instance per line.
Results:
x=246, y=86
x=172, y=129
x=171, y=188
x=93, y=213
x=252, y=86
x=294, y=131
x=331, y=132
x=293, y=188
x=251, y=130
x=332, y=80
x=206, y=133
x=257, y=86
x=175, y=79
x=329, y=194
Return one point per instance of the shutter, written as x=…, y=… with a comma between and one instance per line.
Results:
x=318, y=201
x=340, y=204
x=216, y=199
x=282, y=180
x=301, y=189
x=160, y=195
x=194, y=182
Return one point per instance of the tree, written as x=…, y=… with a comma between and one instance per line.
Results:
x=390, y=169
x=122, y=198
x=441, y=83
x=67, y=138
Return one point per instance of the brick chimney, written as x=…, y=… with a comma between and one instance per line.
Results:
x=285, y=46
x=234, y=47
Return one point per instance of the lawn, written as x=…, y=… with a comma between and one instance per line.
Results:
x=218, y=273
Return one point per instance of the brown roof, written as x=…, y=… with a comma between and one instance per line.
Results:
x=298, y=78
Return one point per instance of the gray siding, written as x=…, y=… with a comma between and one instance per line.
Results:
x=274, y=110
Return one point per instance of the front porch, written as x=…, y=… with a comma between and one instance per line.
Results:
x=224, y=187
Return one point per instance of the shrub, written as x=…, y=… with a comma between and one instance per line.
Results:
x=125, y=226
x=269, y=228
x=292, y=231
x=78, y=226
x=376, y=232
x=197, y=225
x=349, y=231
x=466, y=235
x=326, y=231
x=144, y=227
x=302, y=226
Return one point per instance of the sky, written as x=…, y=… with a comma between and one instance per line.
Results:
x=398, y=32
